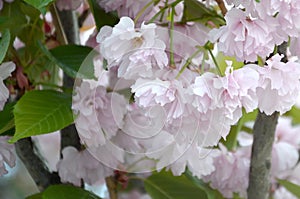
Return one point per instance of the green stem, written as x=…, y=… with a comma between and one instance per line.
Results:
x=172, y=37
x=164, y=9
x=134, y=163
x=140, y=13
x=188, y=62
x=215, y=61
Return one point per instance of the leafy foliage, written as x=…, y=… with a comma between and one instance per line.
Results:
x=196, y=11
x=7, y=119
x=40, y=4
x=4, y=43
x=42, y=111
x=164, y=185
x=291, y=187
x=101, y=17
x=74, y=60
x=64, y=192
x=211, y=193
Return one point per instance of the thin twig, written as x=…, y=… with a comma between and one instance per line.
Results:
x=111, y=184
x=263, y=134
x=222, y=7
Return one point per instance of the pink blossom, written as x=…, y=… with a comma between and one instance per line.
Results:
x=123, y=38
x=284, y=157
x=278, y=85
x=228, y=94
x=237, y=89
x=109, y=155
x=287, y=132
x=204, y=95
x=282, y=192
x=198, y=160
x=5, y=70
x=7, y=155
x=128, y=8
x=295, y=46
x=169, y=94
x=291, y=176
x=231, y=173
x=244, y=37
x=136, y=52
x=111, y=5
x=143, y=62
x=212, y=127
x=81, y=165
x=100, y=113
x=285, y=147
x=288, y=13
x=144, y=122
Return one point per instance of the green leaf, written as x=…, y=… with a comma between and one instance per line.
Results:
x=164, y=185
x=74, y=60
x=40, y=112
x=231, y=139
x=221, y=58
x=294, y=114
x=7, y=119
x=197, y=11
x=14, y=18
x=101, y=17
x=291, y=187
x=40, y=4
x=4, y=43
x=35, y=196
x=211, y=193
x=64, y=192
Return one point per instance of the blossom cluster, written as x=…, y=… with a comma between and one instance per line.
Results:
x=256, y=29
x=160, y=100
x=232, y=167
x=157, y=112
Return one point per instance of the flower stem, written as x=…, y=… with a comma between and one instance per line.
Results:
x=215, y=62
x=172, y=38
x=141, y=12
x=188, y=62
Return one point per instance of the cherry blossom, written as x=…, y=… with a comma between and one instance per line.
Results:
x=198, y=160
x=288, y=12
x=278, y=81
x=75, y=166
x=7, y=155
x=100, y=113
x=169, y=94
x=123, y=38
x=245, y=37
x=231, y=173
x=5, y=70
x=129, y=8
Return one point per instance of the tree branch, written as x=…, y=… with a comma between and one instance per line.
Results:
x=263, y=134
x=261, y=156
x=35, y=166
x=111, y=184
x=222, y=7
